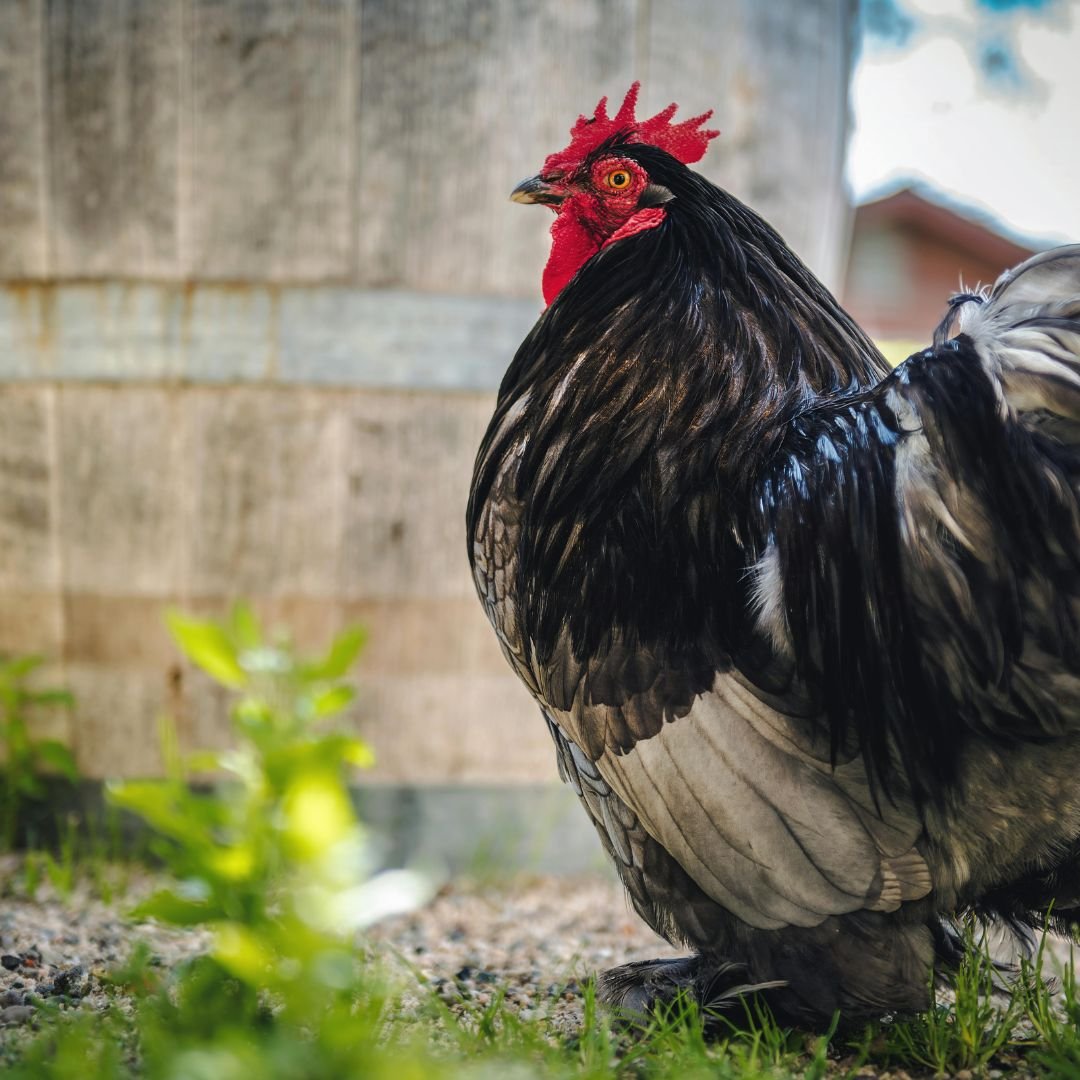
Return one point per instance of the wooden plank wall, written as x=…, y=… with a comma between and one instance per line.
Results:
x=374, y=142
x=245, y=245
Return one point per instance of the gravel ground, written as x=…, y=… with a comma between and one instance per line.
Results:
x=534, y=938
x=56, y=952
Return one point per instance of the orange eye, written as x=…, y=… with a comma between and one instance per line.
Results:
x=618, y=180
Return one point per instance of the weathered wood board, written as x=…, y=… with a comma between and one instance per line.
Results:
x=112, y=78
x=326, y=506
x=457, y=102
x=373, y=142
x=24, y=239
x=138, y=332
x=267, y=113
x=30, y=530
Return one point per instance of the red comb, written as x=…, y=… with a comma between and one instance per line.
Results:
x=687, y=141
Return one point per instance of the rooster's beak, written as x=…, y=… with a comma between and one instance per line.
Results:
x=535, y=190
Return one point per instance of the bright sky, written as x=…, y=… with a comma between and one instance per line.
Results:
x=924, y=110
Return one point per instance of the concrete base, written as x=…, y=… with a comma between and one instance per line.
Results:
x=469, y=830
x=483, y=830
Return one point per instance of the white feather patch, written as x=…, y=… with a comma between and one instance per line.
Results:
x=767, y=600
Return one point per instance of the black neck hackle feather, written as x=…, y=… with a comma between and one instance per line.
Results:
x=660, y=384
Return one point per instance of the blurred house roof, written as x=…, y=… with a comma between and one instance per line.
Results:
x=911, y=248
x=921, y=206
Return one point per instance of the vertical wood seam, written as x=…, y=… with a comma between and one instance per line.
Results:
x=352, y=141
x=45, y=200
x=184, y=140
x=52, y=435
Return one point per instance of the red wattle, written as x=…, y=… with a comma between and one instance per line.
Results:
x=572, y=245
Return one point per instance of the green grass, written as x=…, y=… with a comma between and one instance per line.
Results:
x=965, y=1031
x=201, y=1025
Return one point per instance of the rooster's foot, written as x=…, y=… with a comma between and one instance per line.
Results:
x=635, y=991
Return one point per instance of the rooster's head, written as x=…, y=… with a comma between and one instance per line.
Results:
x=599, y=192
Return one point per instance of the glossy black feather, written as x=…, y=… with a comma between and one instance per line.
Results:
x=887, y=649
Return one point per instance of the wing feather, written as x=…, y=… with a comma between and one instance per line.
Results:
x=765, y=826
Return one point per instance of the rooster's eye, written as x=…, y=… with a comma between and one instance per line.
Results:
x=618, y=180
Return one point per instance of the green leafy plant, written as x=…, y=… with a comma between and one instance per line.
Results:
x=273, y=859
x=25, y=759
x=270, y=857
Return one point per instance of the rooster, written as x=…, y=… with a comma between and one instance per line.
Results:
x=805, y=630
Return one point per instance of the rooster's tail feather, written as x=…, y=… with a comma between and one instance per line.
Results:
x=1026, y=330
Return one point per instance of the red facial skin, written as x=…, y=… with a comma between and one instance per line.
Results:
x=594, y=212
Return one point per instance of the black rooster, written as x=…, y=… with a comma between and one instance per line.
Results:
x=805, y=630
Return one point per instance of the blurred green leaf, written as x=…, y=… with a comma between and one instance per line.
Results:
x=16, y=668
x=243, y=952
x=168, y=907
x=29, y=784
x=332, y=700
x=207, y=645
x=203, y=761
x=22, y=756
x=340, y=657
x=60, y=698
x=164, y=806
x=56, y=756
x=244, y=627
x=356, y=752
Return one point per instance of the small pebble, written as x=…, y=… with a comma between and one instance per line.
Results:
x=72, y=982
x=10, y=962
x=16, y=1014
